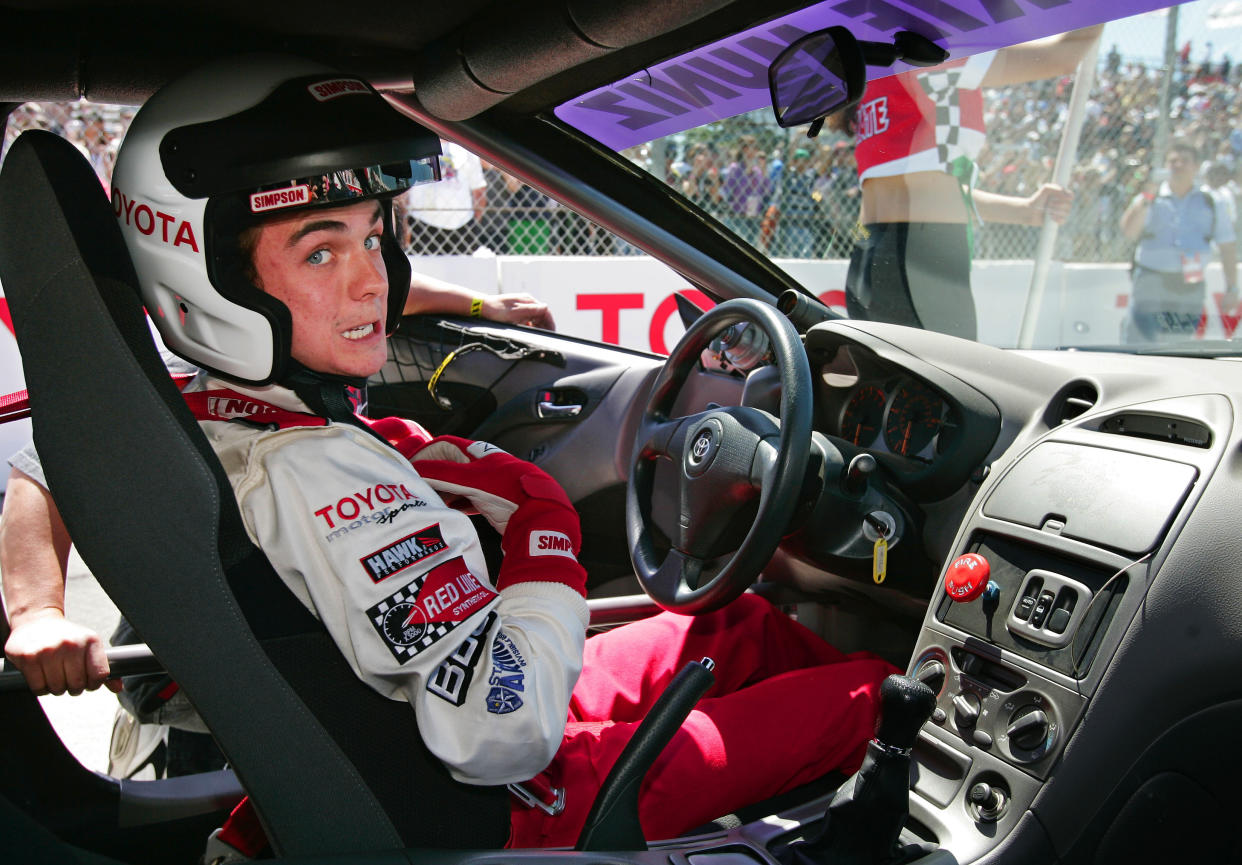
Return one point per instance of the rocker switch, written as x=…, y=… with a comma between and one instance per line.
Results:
x=1025, y=607
x=1042, y=606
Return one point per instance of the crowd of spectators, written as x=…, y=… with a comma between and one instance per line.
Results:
x=1115, y=159
x=798, y=197
x=795, y=198
x=1024, y=127
x=96, y=130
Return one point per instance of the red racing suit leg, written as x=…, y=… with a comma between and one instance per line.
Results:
x=786, y=709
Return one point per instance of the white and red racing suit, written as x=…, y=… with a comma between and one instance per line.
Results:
x=400, y=582
x=357, y=532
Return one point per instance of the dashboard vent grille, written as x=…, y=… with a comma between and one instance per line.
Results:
x=1165, y=428
x=1078, y=399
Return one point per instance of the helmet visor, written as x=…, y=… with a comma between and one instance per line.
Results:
x=344, y=185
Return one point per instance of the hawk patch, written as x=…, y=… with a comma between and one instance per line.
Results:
x=399, y=555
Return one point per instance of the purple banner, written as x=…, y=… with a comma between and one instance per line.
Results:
x=730, y=77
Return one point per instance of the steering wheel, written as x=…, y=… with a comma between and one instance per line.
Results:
x=727, y=462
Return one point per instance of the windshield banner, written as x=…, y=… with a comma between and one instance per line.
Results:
x=730, y=77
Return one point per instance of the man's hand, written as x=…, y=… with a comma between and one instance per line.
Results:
x=57, y=656
x=518, y=309
x=1052, y=200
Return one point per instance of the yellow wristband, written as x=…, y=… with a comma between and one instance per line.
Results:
x=476, y=307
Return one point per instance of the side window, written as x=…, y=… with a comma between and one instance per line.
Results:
x=487, y=230
x=477, y=209
x=95, y=128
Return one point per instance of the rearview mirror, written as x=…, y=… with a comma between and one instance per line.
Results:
x=826, y=71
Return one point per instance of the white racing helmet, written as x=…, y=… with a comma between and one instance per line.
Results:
x=215, y=151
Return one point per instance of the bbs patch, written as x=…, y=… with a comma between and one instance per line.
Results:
x=423, y=612
x=451, y=679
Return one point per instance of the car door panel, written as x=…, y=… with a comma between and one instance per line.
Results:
x=568, y=405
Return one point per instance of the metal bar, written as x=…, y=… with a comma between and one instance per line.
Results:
x=122, y=660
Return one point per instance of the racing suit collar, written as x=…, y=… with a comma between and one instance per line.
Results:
x=272, y=394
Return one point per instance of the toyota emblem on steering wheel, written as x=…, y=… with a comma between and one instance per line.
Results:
x=702, y=445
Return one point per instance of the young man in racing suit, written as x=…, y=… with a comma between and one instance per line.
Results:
x=57, y=655
x=361, y=519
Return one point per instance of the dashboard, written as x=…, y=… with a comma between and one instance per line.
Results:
x=926, y=427
x=1104, y=484
x=929, y=430
x=1101, y=489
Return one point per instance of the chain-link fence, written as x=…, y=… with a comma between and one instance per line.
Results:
x=806, y=202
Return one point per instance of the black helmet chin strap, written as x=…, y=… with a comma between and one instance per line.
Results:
x=325, y=394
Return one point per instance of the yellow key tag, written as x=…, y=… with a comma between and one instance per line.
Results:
x=879, y=560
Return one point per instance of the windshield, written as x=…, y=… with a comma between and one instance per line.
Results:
x=1037, y=196
x=1076, y=191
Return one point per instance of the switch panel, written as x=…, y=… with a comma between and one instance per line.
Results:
x=1048, y=608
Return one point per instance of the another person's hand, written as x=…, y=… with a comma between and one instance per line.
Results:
x=1050, y=199
x=57, y=656
x=518, y=309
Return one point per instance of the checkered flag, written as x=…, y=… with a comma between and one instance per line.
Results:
x=402, y=624
x=941, y=87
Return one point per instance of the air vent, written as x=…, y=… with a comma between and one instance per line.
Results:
x=1075, y=400
x=1165, y=428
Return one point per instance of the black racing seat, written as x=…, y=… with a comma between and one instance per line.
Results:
x=331, y=765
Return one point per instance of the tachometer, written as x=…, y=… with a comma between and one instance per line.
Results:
x=913, y=420
x=860, y=422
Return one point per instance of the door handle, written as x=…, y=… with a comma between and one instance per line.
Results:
x=548, y=409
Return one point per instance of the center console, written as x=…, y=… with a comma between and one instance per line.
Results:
x=1068, y=537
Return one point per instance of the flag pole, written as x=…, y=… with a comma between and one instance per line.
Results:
x=1084, y=81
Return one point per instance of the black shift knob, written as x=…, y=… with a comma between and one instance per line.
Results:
x=905, y=706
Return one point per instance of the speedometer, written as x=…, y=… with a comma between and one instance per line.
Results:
x=913, y=419
x=860, y=422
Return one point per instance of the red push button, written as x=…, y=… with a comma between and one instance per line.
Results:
x=967, y=577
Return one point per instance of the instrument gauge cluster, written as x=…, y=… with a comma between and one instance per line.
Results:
x=904, y=417
x=929, y=430
x=863, y=416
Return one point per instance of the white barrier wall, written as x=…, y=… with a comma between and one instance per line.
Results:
x=628, y=301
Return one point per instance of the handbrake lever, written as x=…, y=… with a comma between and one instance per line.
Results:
x=613, y=822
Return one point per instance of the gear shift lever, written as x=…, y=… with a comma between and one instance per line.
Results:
x=864, y=820
x=905, y=706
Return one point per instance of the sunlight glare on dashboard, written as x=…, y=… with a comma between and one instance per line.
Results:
x=840, y=371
